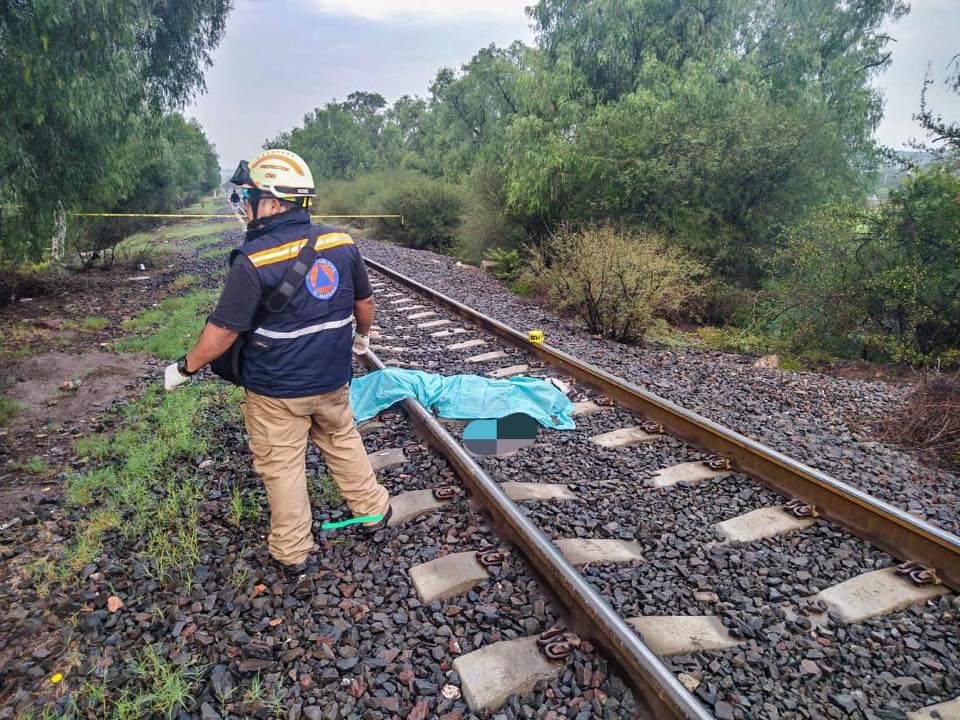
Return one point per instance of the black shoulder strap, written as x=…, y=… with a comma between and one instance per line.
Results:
x=294, y=276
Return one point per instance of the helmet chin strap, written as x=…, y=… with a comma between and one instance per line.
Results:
x=254, y=205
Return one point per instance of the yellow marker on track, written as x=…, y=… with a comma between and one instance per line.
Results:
x=535, y=336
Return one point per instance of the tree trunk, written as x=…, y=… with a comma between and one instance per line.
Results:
x=58, y=240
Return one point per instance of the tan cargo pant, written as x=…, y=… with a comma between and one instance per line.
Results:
x=278, y=431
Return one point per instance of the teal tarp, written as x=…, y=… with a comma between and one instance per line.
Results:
x=464, y=397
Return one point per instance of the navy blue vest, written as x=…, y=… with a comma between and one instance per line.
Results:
x=306, y=348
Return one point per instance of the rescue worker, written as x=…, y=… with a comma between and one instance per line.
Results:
x=296, y=363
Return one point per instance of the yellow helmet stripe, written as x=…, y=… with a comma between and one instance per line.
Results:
x=282, y=158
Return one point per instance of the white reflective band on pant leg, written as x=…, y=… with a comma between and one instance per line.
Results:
x=309, y=330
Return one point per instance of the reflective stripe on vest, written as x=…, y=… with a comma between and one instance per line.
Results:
x=309, y=330
x=288, y=251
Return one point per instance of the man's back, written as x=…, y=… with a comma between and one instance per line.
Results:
x=304, y=349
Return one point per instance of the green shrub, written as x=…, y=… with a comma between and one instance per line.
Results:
x=8, y=408
x=617, y=281
x=525, y=285
x=507, y=264
x=486, y=223
x=882, y=284
x=357, y=196
x=431, y=210
x=722, y=304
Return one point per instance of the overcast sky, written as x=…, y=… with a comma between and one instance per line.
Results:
x=280, y=59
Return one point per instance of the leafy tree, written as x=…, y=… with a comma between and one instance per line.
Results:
x=713, y=121
x=338, y=140
x=471, y=110
x=914, y=293
x=945, y=135
x=78, y=81
x=880, y=283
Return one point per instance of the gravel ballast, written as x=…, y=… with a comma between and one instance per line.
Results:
x=809, y=416
x=793, y=660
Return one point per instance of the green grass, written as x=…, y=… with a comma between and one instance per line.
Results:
x=215, y=254
x=35, y=466
x=170, y=239
x=93, y=447
x=170, y=329
x=146, y=493
x=324, y=492
x=154, y=687
x=8, y=408
x=275, y=702
x=168, y=687
x=94, y=322
x=242, y=506
x=208, y=240
x=182, y=282
x=210, y=204
x=255, y=692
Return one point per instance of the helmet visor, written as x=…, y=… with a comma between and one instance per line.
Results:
x=241, y=176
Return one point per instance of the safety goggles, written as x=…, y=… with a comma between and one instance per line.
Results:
x=250, y=196
x=241, y=176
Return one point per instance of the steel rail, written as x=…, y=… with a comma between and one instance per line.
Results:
x=889, y=528
x=586, y=611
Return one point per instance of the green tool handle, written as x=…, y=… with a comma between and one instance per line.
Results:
x=351, y=521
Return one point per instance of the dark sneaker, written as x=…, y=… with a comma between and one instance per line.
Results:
x=381, y=524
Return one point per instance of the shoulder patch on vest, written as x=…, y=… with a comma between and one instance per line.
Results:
x=323, y=279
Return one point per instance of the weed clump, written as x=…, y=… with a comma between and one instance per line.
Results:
x=617, y=281
x=144, y=490
x=94, y=323
x=928, y=420
x=169, y=329
x=8, y=408
x=182, y=282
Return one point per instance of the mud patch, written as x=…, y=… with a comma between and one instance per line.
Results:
x=69, y=388
x=51, y=417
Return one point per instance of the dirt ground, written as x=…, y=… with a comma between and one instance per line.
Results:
x=63, y=374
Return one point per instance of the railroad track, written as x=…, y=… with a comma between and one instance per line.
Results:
x=646, y=450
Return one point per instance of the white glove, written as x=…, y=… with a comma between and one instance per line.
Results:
x=361, y=343
x=172, y=377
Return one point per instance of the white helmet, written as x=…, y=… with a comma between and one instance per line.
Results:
x=279, y=172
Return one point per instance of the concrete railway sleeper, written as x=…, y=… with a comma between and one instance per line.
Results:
x=931, y=554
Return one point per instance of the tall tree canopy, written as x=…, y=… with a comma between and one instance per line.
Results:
x=82, y=80
x=715, y=121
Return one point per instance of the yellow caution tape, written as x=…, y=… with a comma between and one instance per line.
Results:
x=146, y=215
x=201, y=215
